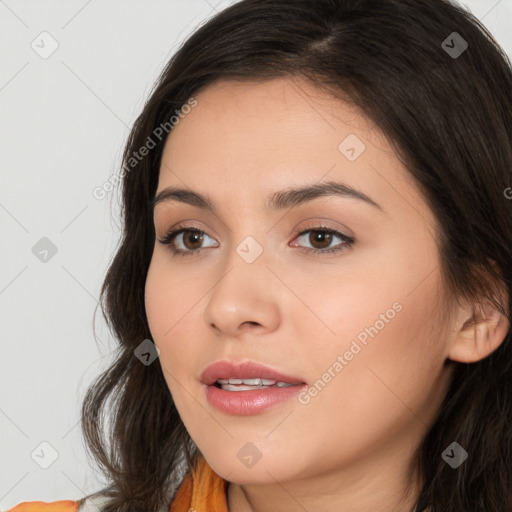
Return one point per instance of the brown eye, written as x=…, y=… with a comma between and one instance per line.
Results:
x=192, y=239
x=320, y=239
x=183, y=240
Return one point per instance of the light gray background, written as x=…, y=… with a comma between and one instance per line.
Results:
x=64, y=120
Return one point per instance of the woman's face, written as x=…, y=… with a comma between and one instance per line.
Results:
x=357, y=330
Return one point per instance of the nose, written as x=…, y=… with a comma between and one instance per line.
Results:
x=245, y=299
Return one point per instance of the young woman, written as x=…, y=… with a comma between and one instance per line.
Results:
x=312, y=292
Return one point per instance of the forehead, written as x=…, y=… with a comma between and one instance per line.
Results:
x=274, y=123
x=283, y=101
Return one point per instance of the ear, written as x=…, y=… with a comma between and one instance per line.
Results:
x=479, y=330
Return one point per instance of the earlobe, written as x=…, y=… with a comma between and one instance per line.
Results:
x=480, y=331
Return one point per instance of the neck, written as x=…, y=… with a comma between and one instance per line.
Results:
x=287, y=498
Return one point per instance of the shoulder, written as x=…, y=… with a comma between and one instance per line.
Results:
x=43, y=506
x=93, y=503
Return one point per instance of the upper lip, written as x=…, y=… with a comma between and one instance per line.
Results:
x=246, y=370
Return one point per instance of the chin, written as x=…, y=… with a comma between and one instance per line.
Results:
x=236, y=470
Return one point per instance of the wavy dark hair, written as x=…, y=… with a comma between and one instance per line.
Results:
x=449, y=120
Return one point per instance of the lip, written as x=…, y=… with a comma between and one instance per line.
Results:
x=250, y=401
x=245, y=370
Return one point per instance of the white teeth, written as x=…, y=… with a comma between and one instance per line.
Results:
x=240, y=387
x=250, y=384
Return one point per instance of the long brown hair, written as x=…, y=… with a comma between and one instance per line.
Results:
x=446, y=109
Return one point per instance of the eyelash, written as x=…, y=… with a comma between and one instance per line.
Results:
x=173, y=233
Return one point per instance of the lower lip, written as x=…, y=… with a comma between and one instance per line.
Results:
x=245, y=403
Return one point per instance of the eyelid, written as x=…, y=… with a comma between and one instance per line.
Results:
x=186, y=225
x=321, y=224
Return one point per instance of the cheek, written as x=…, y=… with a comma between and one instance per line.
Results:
x=170, y=296
x=157, y=302
x=380, y=350
x=166, y=303
x=169, y=302
x=381, y=368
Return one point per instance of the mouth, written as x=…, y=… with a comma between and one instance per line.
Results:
x=247, y=388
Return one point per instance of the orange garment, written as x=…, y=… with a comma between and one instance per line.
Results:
x=201, y=490
x=42, y=506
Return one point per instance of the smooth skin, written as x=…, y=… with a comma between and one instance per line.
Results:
x=348, y=449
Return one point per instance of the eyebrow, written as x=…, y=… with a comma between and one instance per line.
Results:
x=282, y=199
